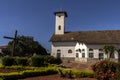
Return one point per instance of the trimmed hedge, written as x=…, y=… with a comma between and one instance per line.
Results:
x=36, y=61
x=27, y=73
x=76, y=73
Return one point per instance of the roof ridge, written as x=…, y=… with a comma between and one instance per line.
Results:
x=93, y=31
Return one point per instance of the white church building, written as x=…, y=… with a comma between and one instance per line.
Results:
x=83, y=46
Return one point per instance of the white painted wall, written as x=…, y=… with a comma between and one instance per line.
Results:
x=96, y=48
x=60, y=21
x=64, y=47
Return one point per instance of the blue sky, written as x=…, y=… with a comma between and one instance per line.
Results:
x=35, y=17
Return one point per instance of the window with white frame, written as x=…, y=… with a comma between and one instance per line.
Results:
x=83, y=55
x=101, y=56
x=83, y=49
x=91, y=55
x=58, y=53
x=69, y=51
x=77, y=55
x=90, y=49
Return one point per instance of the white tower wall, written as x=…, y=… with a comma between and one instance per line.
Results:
x=60, y=22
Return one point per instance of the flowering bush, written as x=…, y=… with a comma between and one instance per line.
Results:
x=105, y=70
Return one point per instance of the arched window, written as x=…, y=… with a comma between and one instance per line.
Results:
x=79, y=50
x=100, y=49
x=90, y=49
x=69, y=51
x=83, y=49
x=59, y=27
x=59, y=16
x=58, y=51
x=91, y=55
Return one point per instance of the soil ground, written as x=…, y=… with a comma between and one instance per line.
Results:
x=55, y=77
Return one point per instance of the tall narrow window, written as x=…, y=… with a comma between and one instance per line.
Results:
x=83, y=55
x=77, y=55
x=59, y=27
x=91, y=55
x=101, y=56
x=69, y=51
x=83, y=50
x=58, y=53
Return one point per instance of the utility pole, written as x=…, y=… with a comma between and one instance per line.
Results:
x=14, y=41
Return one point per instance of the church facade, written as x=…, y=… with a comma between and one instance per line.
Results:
x=83, y=46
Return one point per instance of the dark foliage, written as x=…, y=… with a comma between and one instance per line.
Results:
x=26, y=46
x=21, y=61
x=52, y=60
x=37, y=61
x=7, y=61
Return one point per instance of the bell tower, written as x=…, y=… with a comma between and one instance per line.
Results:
x=60, y=22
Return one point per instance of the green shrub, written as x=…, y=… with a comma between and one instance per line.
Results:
x=7, y=61
x=37, y=61
x=105, y=70
x=75, y=73
x=49, y=59
x=52, y=60
x=58, y=61
x=21, y=61
x=28, y=73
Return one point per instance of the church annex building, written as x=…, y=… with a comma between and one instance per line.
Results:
x=83, y=46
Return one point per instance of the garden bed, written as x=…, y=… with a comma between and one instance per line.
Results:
x=9, y=70
x=55, y=77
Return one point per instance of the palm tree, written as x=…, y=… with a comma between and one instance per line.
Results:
x=109, y=50
x=118, y=51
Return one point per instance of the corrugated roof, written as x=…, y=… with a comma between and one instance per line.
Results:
x=91, y=37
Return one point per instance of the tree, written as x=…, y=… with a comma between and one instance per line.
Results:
x=109, y=51
x=25, y=45
x=118, y=51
